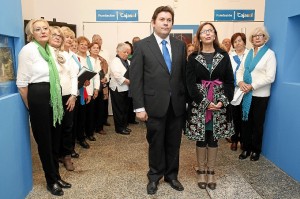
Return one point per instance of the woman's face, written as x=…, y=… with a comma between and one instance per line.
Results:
x=94, y=50
x=207, y=34
x=258, y=39
x=41, y=32
x=68, y=40
x=239, y=44
x=74, y=47
x=83, y=46
x=123, y=53
x=55, y=39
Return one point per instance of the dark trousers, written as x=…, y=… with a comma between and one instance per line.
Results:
x=105, y=110
x=66, y=146
x=252, y=132
x=209, y=140
x=237, y=121
x=80, y=121
x=89, y=122
x=164, y=138
x=45, y=134
x=131, y=114
x=119, y=102
x=99, y=112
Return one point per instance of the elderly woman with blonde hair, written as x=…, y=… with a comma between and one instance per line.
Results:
x=254, y=78
x=38, y=82
x=68, y=77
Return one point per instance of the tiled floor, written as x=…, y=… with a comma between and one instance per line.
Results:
x=115, y=167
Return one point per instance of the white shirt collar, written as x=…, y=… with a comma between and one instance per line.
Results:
x=159, y=40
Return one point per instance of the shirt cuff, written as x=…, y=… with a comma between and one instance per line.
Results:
x=139, y=110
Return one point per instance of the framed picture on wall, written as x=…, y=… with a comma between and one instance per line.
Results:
x=187, y=38
x=6, y=64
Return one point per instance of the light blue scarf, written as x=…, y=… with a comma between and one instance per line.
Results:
x=250, y=64
x=238, y=62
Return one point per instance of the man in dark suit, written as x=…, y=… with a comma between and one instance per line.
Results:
x=158, y=91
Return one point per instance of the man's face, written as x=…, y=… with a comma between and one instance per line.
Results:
x=163, y=24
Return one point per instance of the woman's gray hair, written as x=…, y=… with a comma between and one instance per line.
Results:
x=29, y=28
x=262, y=30
x=122, y=46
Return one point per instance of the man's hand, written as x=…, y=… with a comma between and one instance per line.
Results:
x=143, y=116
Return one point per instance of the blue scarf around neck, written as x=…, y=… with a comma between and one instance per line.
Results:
x=238, y=61
x=250, y=64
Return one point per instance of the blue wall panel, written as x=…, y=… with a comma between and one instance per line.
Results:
x=15, y=155
x=281, y=139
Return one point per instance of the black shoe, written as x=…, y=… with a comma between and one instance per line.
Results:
x=91, y=138
x=128, y=130
x=123, y=132
x=84, y=144
x=152, y=188
x=74, y=154
x=254, y=157
x=55, y=189
x=134, y=122
x=106, y=124
x=175, y=184
x=244, y=155
x=64, y=184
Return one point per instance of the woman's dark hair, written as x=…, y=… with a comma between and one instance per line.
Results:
x=235, y=35
x=199, y=44
x=163, y=9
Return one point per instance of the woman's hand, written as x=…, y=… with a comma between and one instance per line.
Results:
x=215, y=107
x=245, y=87
x=71, y=103
x=95, y=94
x=87, y=83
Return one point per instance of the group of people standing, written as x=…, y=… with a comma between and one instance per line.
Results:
x=168, y=90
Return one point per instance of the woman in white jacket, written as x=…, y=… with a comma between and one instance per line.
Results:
x=255, y=76
x=119, y=85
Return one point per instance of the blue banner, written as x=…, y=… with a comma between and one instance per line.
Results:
x=117, y=15
x=234, y=15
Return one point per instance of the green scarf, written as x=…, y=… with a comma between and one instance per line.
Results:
x=55, y=89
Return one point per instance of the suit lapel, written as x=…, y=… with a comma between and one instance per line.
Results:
x=157, y=52
x=175, y=53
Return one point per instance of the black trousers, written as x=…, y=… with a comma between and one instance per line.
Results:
x=119, y=102
x=237, y=121
x=131, y=114
x=45, y=134
x=66, y=146
x=164, y=138
x=89, y=122
x=80, y=120
x=253, y=129
x=99, y=112
x=209, y=141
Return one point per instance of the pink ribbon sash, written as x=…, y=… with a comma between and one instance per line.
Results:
x=210, y=95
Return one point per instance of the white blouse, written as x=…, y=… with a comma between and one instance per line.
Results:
x=117, y=71
x=32, y=67
x=95, y=81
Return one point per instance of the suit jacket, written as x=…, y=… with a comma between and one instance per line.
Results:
x=151, y=84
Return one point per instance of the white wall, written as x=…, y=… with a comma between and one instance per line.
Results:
x=187, y=12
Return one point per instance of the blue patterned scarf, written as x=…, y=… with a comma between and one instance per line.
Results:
x=250, y=64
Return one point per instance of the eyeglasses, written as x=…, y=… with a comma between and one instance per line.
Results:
x=259, y=36
x=57, y=36
x=40, y=29
x=208, y=31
